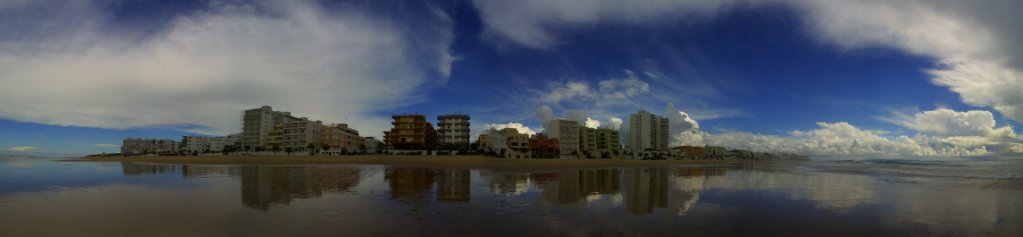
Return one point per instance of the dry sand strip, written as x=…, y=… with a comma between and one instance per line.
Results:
x=402, y=161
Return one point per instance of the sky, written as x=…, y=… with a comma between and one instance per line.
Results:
x=860, y=77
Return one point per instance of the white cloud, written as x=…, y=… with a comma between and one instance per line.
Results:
x=106, y=145
x=23, y=148
x=947, y=122
x=609, y=91
x=202, y=69
x=614, y=123
x=591, y=123
x=842, y=138
x=682, y=128
x=517, y=126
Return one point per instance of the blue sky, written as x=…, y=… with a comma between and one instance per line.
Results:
x=813, y=77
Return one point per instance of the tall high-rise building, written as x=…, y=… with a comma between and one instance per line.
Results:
x=453, y=131
x=647, y=131
x=258, y=123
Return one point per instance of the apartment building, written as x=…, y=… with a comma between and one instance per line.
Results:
x=410, y=132
x=453, y=131
x=299, y=134
x=258, y=123
x=340, y=136
x=647, y=131
x=567, y=133
x=599, y=143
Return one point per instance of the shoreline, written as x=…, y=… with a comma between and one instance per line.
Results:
x=446, y=161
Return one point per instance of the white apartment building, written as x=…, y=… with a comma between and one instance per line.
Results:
x=453, y=131
x=258, y=123
x=647, y=131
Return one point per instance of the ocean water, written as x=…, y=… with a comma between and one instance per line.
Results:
x=830, y=197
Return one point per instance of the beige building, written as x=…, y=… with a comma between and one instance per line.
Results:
x=299, y=134
x=509, y=143
x=567, y=133
x=647, y=131
x=340, y=136
x=372, y=144
x=599, y=143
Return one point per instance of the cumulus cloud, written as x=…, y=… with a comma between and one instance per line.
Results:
x=607, y=91
x=683, y=129
x=200, y=70
x=947, y=122
x=517, y=126
x=614, y=123
x=23, y=148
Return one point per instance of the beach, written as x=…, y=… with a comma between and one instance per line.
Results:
x=449, y=161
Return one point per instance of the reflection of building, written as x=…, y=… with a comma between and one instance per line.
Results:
x=410, y=131
x=453, y=131
x=571, y=186
x=647, y=131
x=141, y=146
x=506, y=183
x=410, y=183
x=266, y=185
x=453, y=186
x=193, y=171
x=647, y=188
x=130, y=168
x=603, y=181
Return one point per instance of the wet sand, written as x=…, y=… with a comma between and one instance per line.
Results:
x=391, y=160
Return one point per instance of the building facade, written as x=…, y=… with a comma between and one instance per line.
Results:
x=453, y=131
x=544, y=147
x=599, y=143
x=301, y=133
x=372, y=144
x=258, y=123
x=567, y=133
x=647, y=131
x=340, y=136
x=410, y=132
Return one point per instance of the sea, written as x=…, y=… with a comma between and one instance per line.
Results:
x=827, y=196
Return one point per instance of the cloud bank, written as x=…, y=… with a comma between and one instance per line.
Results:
x=200, y=70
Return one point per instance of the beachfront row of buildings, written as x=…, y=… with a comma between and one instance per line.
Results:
x=265, y=130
